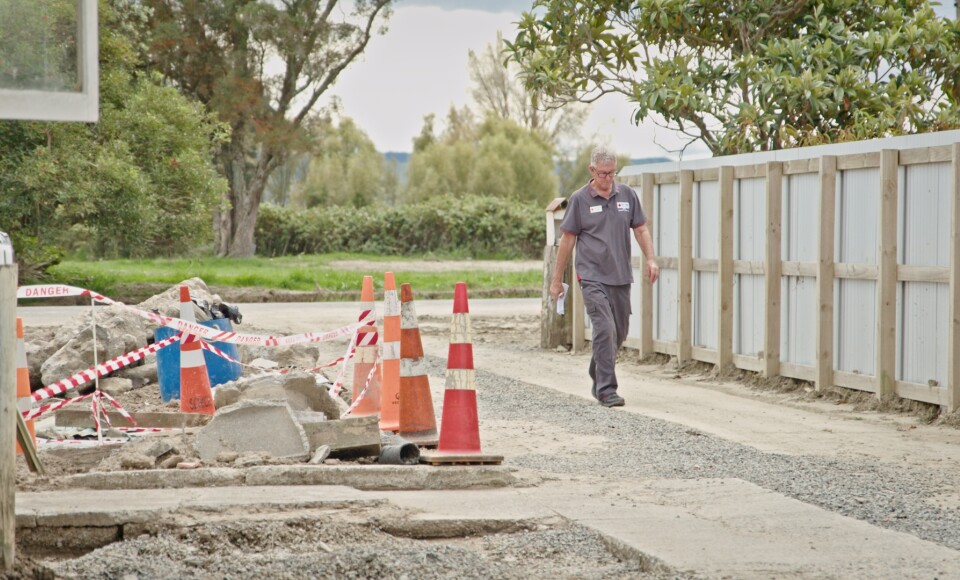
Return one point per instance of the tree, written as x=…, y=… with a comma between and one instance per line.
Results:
x=140, y=182
x=498, y=91
x=262, y=66
x=749, y=76
x=346, y=168
x=496, y=158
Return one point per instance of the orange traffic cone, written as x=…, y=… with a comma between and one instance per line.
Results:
x=195, y=394
x=417, y=421
x=24, y=401
x=366, y=356
x=390, y=394
x=460, y=425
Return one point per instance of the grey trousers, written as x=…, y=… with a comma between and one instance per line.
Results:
x=609, y=310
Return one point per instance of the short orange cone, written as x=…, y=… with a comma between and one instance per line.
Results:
x=24, y=401
x=390, y=395
x=195, y=394
x=365, y=356
x=418, y=424
x=460, y=424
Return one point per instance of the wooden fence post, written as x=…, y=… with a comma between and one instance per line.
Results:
x=825, y=271
x=685, y=270
x=772, y=270
x=8, y=401
x=886, y=357
x=953, y=341
x=646, y=290
x=725, y=338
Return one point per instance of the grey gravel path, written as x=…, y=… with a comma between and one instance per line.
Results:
x=885, y=495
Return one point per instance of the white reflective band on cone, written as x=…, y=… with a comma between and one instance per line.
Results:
x=462, y=379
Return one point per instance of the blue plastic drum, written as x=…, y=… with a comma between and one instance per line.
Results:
x=168, y=361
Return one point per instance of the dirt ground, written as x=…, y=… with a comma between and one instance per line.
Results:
x=362, y=544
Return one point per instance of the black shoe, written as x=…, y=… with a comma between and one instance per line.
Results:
x=612, y=400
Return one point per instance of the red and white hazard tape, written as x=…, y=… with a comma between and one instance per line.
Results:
x=211, y=334
x=366, y=386
x=209, y=347
x=100, y=370
x=97, y=405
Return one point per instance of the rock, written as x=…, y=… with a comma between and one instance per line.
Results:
x=254, y=426
x=262, y=363
x=296, y=356
x=250, y=460
x=225, y=395
x=189, y=465
x=136, y=461
x=320, y=455
x=114, y=386
x=171, y=462
x=158, y=449
x=144, y=374
x=227, y=456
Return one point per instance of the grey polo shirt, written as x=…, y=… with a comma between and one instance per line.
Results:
x=603, y=228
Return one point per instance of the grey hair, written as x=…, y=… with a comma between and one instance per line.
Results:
x=602, y=155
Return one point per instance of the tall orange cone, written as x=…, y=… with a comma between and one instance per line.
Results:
x=195, y=394
x=418, y=424
x=460, y=424
x=366, y=356
x=390, y=394
x=24, y=401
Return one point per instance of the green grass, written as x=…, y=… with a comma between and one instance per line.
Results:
x=303, y=273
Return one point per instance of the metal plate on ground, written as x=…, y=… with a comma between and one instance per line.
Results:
x=460, y=459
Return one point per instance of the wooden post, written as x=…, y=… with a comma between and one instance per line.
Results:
x=685, y=273
x=825, y=271
x=8, y=401
x=772, y=262
x=725, y=338
x=555, y=330
x=646, y=289
x=953, y=341
x=887, y=277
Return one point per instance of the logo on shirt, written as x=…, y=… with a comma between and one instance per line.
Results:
x=623, y=206
x=596, y=208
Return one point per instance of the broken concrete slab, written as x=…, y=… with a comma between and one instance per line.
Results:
x=81, y=418
x=254, y=426
x=384, y=477
x=156, y=478
x=299, y=390
x=296, y=356
x=350, y=437
x=114, y=386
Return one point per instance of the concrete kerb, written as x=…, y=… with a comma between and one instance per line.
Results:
x=364, y=477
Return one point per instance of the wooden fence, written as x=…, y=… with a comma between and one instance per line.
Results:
x=838, y=265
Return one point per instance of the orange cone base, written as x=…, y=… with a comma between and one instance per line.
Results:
x=195, y=394
x=370, y=405
x=417, y=421
x=390, y=396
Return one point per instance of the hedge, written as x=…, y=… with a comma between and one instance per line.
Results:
x=477, y=227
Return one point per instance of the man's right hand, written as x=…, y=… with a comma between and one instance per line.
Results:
x=556, y=290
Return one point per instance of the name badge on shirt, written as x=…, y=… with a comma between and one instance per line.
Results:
x=596, y=208
x=623, y=206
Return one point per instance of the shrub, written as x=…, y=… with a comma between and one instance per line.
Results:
x=476, y=227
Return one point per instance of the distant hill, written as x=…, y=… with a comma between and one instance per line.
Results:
x=646, y=160
x=402, y=160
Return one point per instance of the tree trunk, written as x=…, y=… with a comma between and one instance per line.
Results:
x=235, y=224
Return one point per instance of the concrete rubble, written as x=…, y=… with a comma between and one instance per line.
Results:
x=254, y=426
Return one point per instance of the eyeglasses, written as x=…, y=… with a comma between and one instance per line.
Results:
x=604, y=174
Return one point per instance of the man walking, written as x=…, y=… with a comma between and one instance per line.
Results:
x=598, y=221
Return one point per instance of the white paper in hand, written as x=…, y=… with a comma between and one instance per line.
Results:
x=561, y=297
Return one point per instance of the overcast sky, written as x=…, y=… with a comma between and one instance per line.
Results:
x=420, y=67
